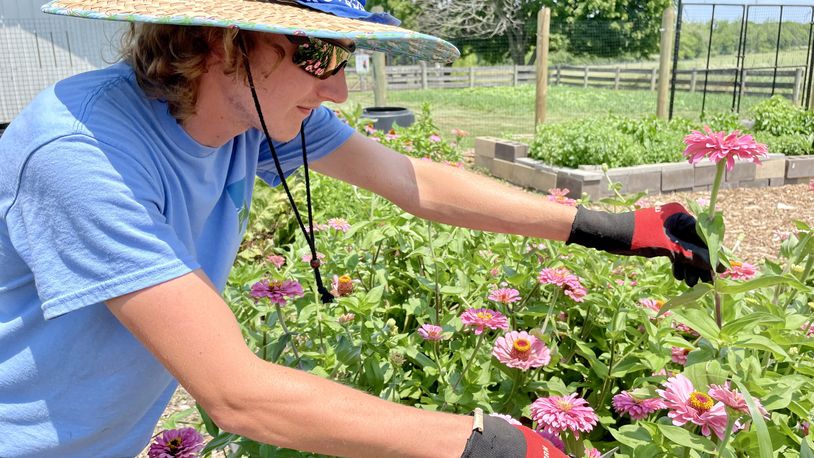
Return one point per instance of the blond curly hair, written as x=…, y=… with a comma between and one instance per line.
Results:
x=169, y=60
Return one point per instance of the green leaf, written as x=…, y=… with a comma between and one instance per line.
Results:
x=597, y=366
x=693, y=295
x=631, y=435
x=762, y=343
x=684, y=438
x=209, y=424
x=750, y=321
x=374, y=296
x=221, y=440
x=374, y=374
x=712, y=231
x=764, y=440
x=805, y=448
x=277, y=347
x=700, y=320
x=761, y=282
x=347, y=353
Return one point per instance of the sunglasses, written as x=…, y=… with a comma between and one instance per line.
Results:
x=320, y=57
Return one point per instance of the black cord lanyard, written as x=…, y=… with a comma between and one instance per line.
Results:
x=310, y=237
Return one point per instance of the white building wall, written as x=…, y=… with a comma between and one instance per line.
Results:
x=37, y=50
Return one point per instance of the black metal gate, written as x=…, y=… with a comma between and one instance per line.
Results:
x=778, y=41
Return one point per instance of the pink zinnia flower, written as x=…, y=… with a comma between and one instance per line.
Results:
x=718, y=146
x=654, y=305
x=484, y=318
x=508, y=418
x=734, y=399
x=435, y=138
x=369, y=129
x=431, y=332
x=561, y=196
x=495, y=272
x=277, y=291
x=341, y=286
x=811, y=184
x=276, y=260
x=556, y=414
x=810, y=331
x=561, y=277
x=306, y=258
x=702, y=201
x=638, y=409
x=804, y=428
x=739, y=271
x=521, y=350
x=679, y=355
x=340, y=224
x=779, y=235
x=553, y=438
x=681, y=327
x=687, y=405
x=504, y=295
x=178, y=443
x=346, y=318
x=591, y=452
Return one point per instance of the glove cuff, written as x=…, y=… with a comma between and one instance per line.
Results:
x=611, y=232
x=498, y=439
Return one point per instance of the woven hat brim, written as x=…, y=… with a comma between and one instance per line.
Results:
x=262, y=17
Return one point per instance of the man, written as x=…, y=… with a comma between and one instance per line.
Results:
x=123, y=195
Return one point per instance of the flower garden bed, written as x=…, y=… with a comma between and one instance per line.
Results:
x=508, y=159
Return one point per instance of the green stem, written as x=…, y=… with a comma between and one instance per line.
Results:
x=469, y=363
x=435, y=272
x=554, y=299
x=719, y=320
x=713, y=198
x=606, y=382
x=288, y=333
x=727, y=433
x=516, y=382
x=438, y=363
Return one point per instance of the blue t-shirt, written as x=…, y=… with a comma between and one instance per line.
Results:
x=102, y=193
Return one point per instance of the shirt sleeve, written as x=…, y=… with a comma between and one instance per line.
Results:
x=324, y=133
x=87, y=219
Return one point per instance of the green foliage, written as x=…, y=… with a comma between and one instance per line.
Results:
x=790, y=128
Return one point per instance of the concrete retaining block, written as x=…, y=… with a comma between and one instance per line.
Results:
x=777, y=181
x=743, y=171
x=502, y=169
x=484, y=161
x=677, y=176
x=761, y=183
x=704, y=173
x=580, y=182
x=773, y=167
x=508, y=150
x=641, y=178
x=485, y=146
x=799, y=167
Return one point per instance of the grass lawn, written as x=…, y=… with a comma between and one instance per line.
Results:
x=509, y=111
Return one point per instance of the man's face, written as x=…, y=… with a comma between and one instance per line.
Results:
x=286, y=92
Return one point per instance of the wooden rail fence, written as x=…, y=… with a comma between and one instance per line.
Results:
x=754, y=81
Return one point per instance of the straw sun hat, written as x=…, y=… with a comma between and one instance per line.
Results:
x=314, y=18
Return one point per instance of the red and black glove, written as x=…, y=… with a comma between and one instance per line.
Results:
x=499, y=439
x=667, y=230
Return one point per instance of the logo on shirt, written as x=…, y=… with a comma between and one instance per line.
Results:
x=237, y=192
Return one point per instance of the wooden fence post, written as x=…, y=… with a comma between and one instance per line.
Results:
x=616, y=78
x=795, y=91
x=379, y=73
x=471, y=76
x=665, y=60
x=585, y=76
x=541, y=95
x=423, y=65
x=693, y=80
x=559, y=75
x=654, y=72
x=515, y=76
x=743, y=82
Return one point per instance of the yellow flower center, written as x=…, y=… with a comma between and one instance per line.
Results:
x=700, y=401
x=564, y=405
x=345, y=279
x=485, y=315
x=175, y=444
x=735, y=264
x=522, y=345
x=659, y=303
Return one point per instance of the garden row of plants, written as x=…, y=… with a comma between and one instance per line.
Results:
x=600, y=353
x=620, y=141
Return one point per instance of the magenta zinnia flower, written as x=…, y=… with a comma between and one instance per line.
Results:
x=679, y=355
x=508, y=418
x=718, y=146
x=687, y=405
x=553, y=438
x=521, y=350
x=177, y=443
x=734, y=399
x=556, y=414
x=561, y=197
x=739, y=271
x=430, y=332
x=340, y=224
x=504, y=295
x=277, y=291
x=638, y=409
x=484, y=318
x=563, y=278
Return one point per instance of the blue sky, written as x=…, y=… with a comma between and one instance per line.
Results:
x=795, y=10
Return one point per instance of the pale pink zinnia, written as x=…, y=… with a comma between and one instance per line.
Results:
x=508, y=418
x=431, y=332
x=687, y=405
x=810, y=331
x=654, y=305
x=679, y=355
x=637, y=408
x=681, y=327
x=591, y=452
x=307, y=257
x=277, y=291
x=718, y=146
x=739, y=271
x=563, y=278
x=561, y=196
x=346, y=318
x=504, y=295
x=521, y=350
x=276, y=260
x=339, y=224
x=435, y=138
x=734, y=399
x=484, y=318
x=178, y=443
x=556, y=414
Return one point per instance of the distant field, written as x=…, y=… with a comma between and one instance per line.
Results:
x=500, y=111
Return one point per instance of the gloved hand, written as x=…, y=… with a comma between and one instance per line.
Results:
x=667, y=230
x=499, y=439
